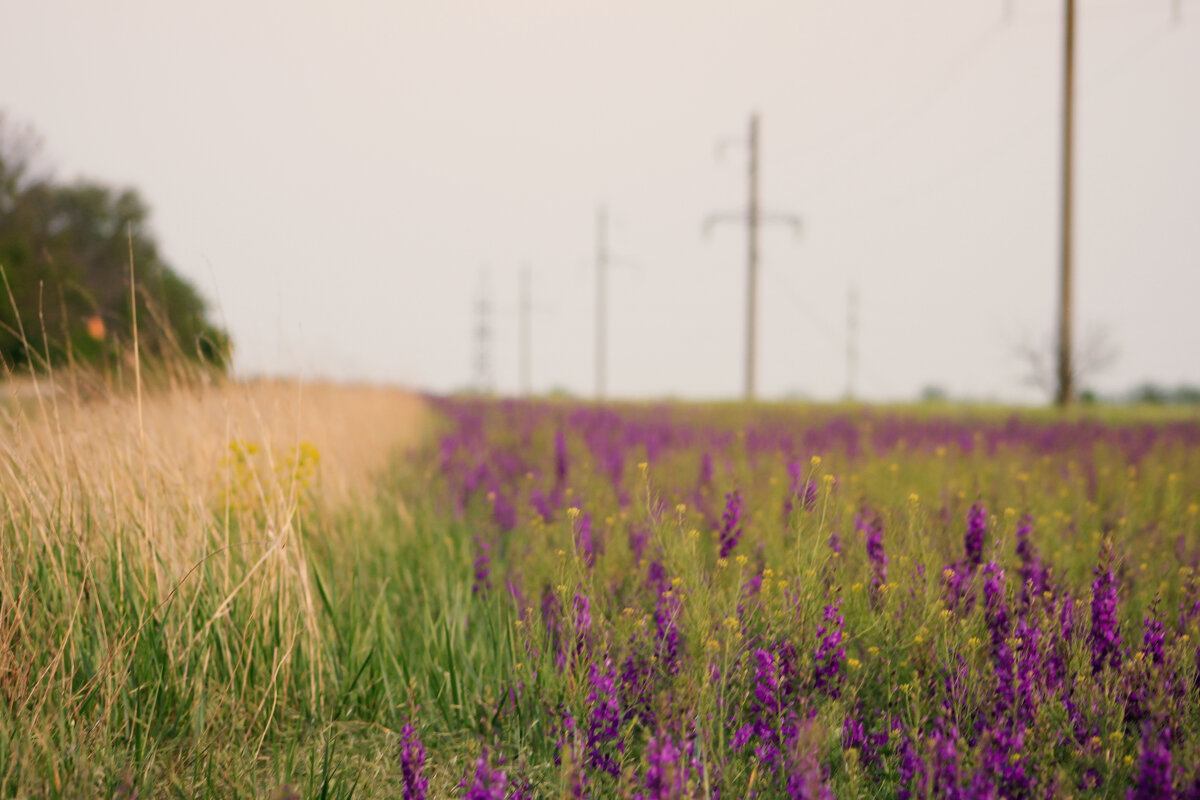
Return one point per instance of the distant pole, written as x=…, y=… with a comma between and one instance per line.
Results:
x=752, y=259
x=483, y=338
x=526, y=331
x=601, y=300
x=753, y=218
x=1066, y=392
x=852, y=342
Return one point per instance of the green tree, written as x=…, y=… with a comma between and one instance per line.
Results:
x=65, y=250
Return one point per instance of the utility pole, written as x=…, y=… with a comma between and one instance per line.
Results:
x=1065, y=394
x=483, y=338
x=526, y=331
x=601, y=300
x=852, y=342
x=752, y=217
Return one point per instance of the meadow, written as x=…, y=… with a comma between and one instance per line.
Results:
x=234, y=591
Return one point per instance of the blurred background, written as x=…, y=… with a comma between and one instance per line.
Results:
x=356, y=190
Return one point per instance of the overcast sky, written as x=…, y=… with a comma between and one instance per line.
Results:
x=337, y=177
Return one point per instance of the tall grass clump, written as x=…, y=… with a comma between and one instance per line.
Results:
x=162, y=627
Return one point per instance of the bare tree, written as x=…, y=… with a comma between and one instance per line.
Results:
x=1093, y=354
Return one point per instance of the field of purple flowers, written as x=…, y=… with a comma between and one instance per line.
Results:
x=703, y=602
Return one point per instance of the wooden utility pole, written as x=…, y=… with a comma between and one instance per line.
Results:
x=752, y=217
x=1066, y=391
x=601, y=300
x=752, y=262
x=526, y=331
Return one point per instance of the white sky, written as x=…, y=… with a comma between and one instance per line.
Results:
x=336, y=176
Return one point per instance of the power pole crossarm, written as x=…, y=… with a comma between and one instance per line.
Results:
x=713, y=220
x=784, y=219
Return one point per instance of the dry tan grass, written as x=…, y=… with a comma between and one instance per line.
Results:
x=170, y=457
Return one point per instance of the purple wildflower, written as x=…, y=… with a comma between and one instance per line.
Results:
x=483, y=567
x=560, y=458
x=604, y=719
x=583, y=539
x=803, y=494
x=731, y=531
x=1066, y=619
x=666, y=771
x=1033, y=573
x=805, y=776
x=960, y=591
x=541, y=505
x=1154, y=767
x=666, y=617
x=945, y=766
x=827, y=662
x=873, y=528
x=912, y=771
x=996, y=614
x=1029, y=669
x=583, y=621
x=976, y=530
x=637, y=541
x=1153, y=636
x=1105, y=638
x=486, y=784
x=766, y=706
x=503, y=511
x=412, y=764
x=636, y=687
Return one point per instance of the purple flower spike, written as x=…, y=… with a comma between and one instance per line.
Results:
x=1000, y=627
x=805, y=777
x=412, y=764
x=1153, y=636
x=912, y=771
x=583, y=540
x=976, y=529
x=827, y=662
x=1105, y=637
x=560, y=458
x=1154, y=768
x=604, y=720
x=583, y=621
x=731, y=531
x=483, y=567
x=665, y=774
x=766, y=707
x=873, y=528
x=486, y=784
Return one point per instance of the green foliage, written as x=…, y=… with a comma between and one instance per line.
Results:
x=65, y=251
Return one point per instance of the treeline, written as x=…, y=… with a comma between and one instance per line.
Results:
x=65, y=252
